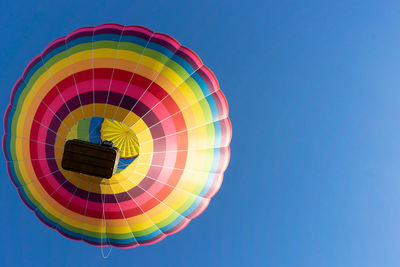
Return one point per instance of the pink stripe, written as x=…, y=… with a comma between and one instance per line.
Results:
x=155, y=188
x=224, y=157
x=55, y=103
x=169, y=125
x=42, y=132
x=63, y=193
x=212, y=78
x=79, y=202
x=192, y=55
x=52, y=182
x=226, y=132
x=95, y=206
x=139, y=29
x=170, y=159
x=40, y=150
x=160, y=110
x=143, y=198
x=58, y=42
x=168, y=39
x=28, y=67
x=84, y=87
x=179, y=227
x=109, y=25
x=111, y=207
x=164, y=175
x=172, y=143
x=134, y=91
x=149, y=100
x=48, y=116
x=129, y=204
x=87, y=30
x=199, y=209
x=223, y=109
x=101, y=84
x=68, y=93
x=119, y=87
x=217, y=181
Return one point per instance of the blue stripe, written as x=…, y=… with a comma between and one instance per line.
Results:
x=201, y=83
x=172, y=224
x=53, y=53
x=80, y=40
x=134, y=40
x=106, y=37
x=183, y=63
x=192, y=208
x=159, y=48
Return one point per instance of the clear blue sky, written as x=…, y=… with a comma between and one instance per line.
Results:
x=314, y=92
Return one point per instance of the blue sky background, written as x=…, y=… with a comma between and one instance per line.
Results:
x=314, y=92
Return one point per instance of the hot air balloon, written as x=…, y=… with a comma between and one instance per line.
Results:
x=145, y=95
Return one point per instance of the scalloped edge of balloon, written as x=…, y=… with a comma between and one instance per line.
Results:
x=21, y=80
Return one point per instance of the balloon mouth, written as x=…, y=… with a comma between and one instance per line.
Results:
x=97, y=130
x=122, y=136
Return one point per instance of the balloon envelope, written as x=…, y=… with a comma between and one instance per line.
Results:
x=145, y=92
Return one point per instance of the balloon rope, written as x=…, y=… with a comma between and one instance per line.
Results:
x=124, y=164
x=180, y=111
x=154, y=197
x=52, y=79
x=49, y=195
x=16, y=108
x=69, y=201
x=171, y=186
x=33, y=140
x=144, y=213
x=41, y=101
x=26, y=160
x=158, y=74
x=94, y=128
x=180, y=150
x=112, y=74
x=185, y=130
x=178, y=169
x=89, y=136
x=133, y=74
x=123, y=215
x=73, y=75
x=94, y=111
x=169, y=93
x=84, y=215
x=104, y=224
x=33, y=119
x=37, y=179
